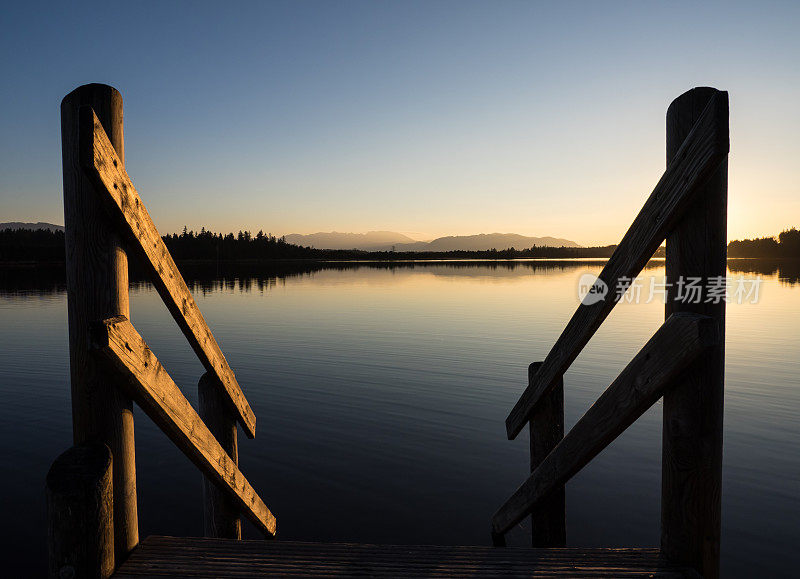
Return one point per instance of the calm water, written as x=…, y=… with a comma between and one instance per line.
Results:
x=381, y=394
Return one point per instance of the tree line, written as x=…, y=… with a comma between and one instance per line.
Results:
x=26, y=245
x=39, y=245
x=786, y=245
x=190, y=245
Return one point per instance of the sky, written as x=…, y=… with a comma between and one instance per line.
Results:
x=428, y=118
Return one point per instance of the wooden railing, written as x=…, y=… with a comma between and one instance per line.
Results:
x=93, y=527
x=91, y=488
x=683, y=361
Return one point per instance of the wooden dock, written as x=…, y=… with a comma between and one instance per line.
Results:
x=194, y=557
x=91, y=488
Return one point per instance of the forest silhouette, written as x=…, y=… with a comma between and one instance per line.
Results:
x=28, y=245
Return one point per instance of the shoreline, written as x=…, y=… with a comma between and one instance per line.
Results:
x=421, y=259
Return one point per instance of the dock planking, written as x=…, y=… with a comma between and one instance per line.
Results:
x=196, y=557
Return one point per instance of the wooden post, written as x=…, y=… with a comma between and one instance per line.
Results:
x=548, y=521
x=97, y=288
x=220, y=516
x=80, y=524
x=692, y=429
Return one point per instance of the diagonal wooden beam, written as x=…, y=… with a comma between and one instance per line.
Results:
x=150, y=386
x=701, y=153
x=103, y=165
x=678, y=342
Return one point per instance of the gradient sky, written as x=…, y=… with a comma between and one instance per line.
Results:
x=429, y=118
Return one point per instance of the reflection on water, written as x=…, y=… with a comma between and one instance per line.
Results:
x=786, y=270
x=381, y=392
x=205, y=278
x=22, y=280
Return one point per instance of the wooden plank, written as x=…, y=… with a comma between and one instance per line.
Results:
x=699, y=157
x=97, y=288
x=691, y=471
x=195, y=557
x=107, y=170
x=549, y=518
x=679, y=341
x=153, y=390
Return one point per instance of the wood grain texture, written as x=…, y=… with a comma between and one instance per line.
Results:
x=220, y=514
x=149, y=384
x=189, y=557
x=548, y=519
x=80, y=513
x=679, y=341
x=698, y=158
x=107, y=170
x=693, y=411
x=97, y=288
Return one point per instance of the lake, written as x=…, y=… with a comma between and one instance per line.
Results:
x=381, y=393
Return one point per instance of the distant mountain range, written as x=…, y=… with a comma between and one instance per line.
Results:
x=34, y=226
x=385, y=240
x=389, y=240
x=370, y=241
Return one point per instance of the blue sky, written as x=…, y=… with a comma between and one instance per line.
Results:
x=430, y=118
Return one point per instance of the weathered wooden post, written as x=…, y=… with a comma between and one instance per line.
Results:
x=692, y=429
x=546, y=425
x=220, y=516
x=80, y=522
x=97, y=288
x=548, y=520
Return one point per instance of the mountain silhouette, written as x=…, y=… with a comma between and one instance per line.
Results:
x=34, y=226
x=485, y=241
x=392, y=241
x=370, y=241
